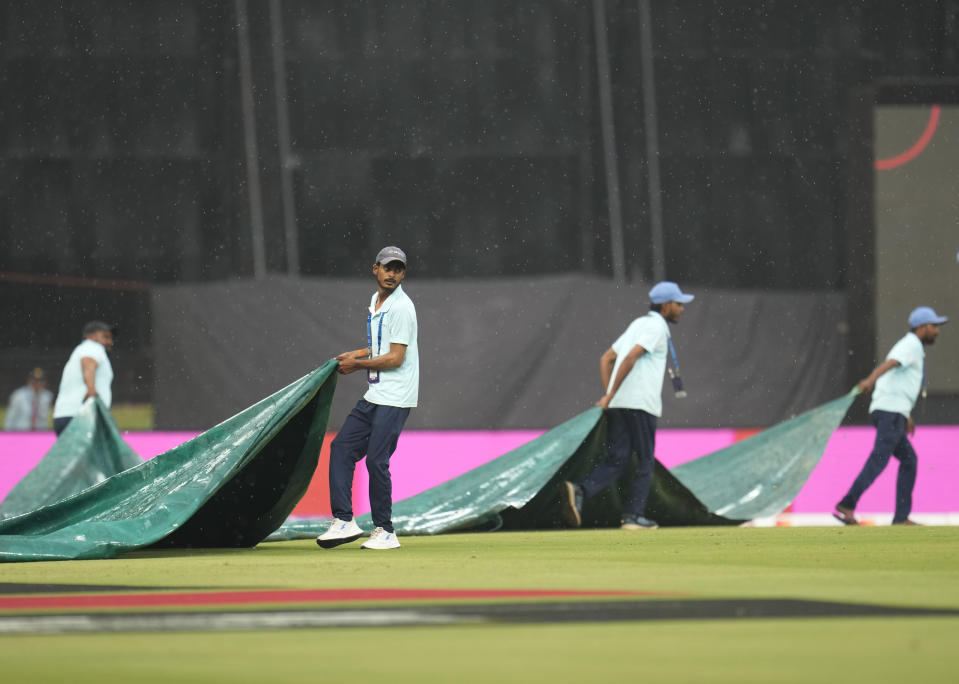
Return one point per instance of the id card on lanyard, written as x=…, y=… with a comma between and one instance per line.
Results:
x=678, y=390
x=373, y=375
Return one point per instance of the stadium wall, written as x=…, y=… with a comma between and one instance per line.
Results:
x=510, y=353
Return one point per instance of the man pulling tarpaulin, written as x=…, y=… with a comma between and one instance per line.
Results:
x=756, y=477
x=229, y=487
x=236, y=483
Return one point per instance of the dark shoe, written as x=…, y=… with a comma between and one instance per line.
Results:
x=907, y=521
x=571, y=504
x=638, y=522
x=845, y=515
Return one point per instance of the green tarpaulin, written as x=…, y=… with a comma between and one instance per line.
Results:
x=520, y=490
x=88, y=452
x=229, y=487
x=756, y=477
x=238, y=482
x=760, y=476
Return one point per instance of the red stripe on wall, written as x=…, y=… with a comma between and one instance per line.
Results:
x=316, y=501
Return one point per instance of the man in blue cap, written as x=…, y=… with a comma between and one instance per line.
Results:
x=895, y=385
x=632, y=371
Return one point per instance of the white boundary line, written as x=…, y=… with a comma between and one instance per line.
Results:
x=203, y=622
x=866, y=519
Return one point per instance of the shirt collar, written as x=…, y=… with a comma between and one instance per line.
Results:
x=663, y=319
x=388, y=304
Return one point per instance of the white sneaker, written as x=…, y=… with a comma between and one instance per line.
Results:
x=340, y=532
x=381, y=539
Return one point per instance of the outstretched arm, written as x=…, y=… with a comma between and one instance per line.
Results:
x=624, y=368
x=606, y=363
x=867, y=383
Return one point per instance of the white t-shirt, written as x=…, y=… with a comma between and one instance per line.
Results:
x=397, y=319
x=643, y=387
x=897, y=389
x=72, y=387
x=24, y=402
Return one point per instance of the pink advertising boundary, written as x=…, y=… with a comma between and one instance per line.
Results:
x=427, y=458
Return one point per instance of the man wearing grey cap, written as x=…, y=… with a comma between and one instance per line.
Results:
x=895, y=385
x=632, y=371
x=391, y=362
x=87, y=373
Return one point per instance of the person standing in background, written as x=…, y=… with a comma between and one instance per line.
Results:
x=87, y=373
x=895, y=385
x=29, y=406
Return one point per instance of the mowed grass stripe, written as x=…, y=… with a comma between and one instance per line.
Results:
x=903, y=566
x=914, y=567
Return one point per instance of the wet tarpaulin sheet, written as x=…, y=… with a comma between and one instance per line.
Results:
x=756, y=477
x=760, y=476
x=89, y=451
x=229, y=487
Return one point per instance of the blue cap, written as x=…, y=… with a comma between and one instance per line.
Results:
x=667, y=291
x=924, y=314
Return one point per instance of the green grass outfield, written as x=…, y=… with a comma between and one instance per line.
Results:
x=876, y=565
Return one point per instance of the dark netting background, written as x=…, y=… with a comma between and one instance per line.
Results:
x=511, y=353
x=182, y=146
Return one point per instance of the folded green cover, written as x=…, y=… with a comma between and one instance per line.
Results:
x=229, y=487
x=237, y=483
x=88, y=452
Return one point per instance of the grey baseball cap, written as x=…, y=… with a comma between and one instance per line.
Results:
x=388, y=254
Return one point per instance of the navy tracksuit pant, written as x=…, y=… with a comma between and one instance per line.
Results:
x=891, y=440
x=628, y=430
x=370, y=430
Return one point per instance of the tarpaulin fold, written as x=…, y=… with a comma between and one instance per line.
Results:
x=89, y=451
x=229, y=487
x=238, y=482
x=759, y=476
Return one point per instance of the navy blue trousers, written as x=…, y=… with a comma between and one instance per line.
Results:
x=370, y=430
x=891, y=440
x=628, y=430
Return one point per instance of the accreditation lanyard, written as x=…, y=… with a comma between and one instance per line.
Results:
x=373, y=376
x=925, y=382
x=678, y=388
x=672, y=352
x=379, y=334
